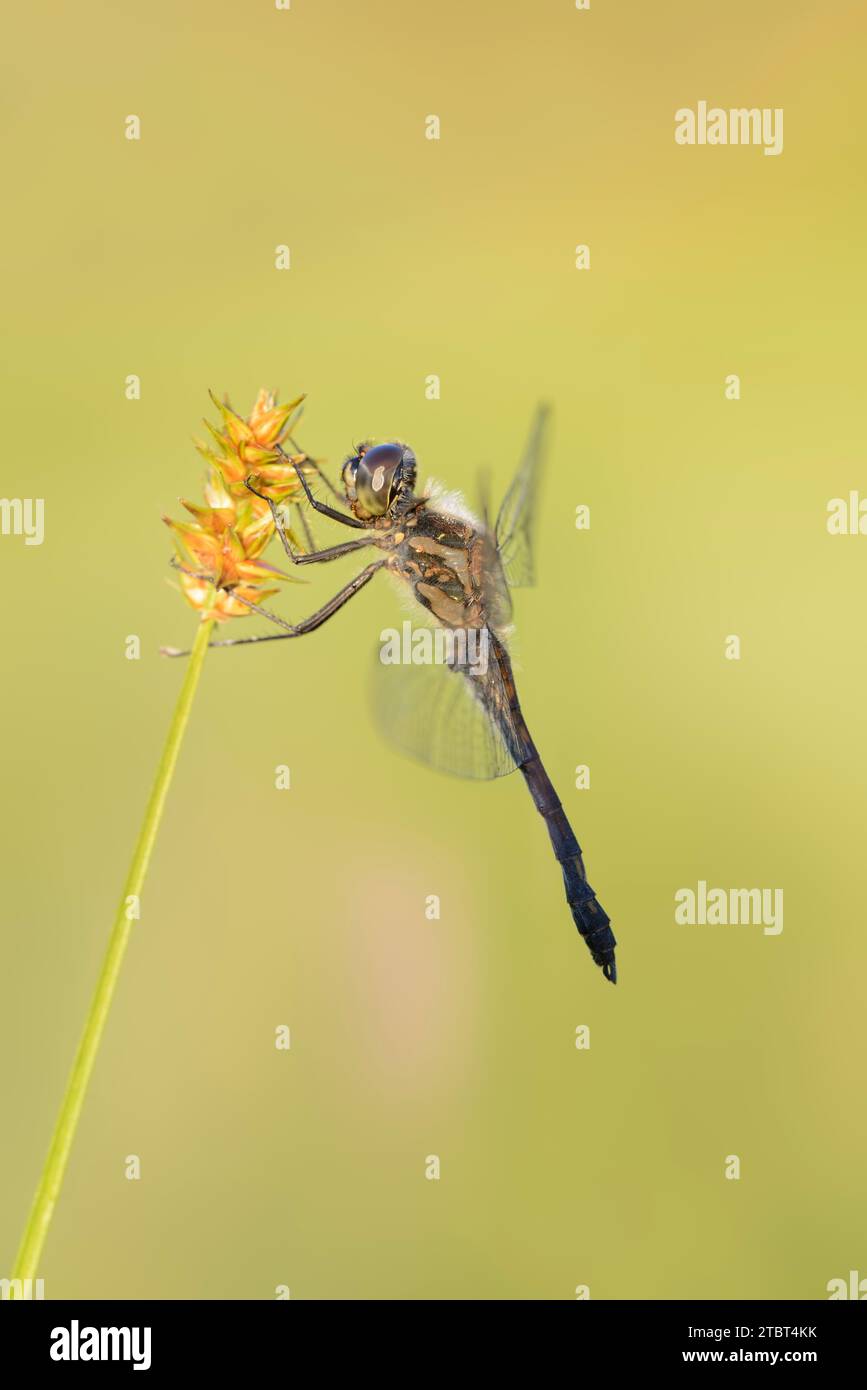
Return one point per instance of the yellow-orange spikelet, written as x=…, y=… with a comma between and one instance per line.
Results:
x=252, y=448
x=222, y=546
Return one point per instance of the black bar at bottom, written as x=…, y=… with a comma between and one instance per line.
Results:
x=156, y=1338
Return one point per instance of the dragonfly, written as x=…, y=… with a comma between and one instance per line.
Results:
x=459, y=713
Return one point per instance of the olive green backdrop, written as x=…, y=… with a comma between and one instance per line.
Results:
x=410, y=257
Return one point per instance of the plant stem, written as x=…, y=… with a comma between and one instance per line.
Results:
x=47, y=1192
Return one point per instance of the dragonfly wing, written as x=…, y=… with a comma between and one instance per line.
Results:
x=497, y=599
x=483, y=491
x=441, y=714
x=515, y=521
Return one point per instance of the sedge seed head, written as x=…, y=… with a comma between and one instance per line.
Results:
x=223, y=545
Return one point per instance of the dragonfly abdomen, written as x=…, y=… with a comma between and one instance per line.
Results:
x=589, y=916
x=591, y=919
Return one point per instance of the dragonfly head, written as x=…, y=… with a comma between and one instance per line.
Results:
x=376, y=476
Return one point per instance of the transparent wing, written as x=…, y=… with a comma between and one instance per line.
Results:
x=443, y=715
x=483, y=492
x=515, y=521
x=495, y=589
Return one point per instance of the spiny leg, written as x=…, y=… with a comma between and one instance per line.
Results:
x=323, y=507
x=277, y=518
x=321, y=471
x=227, y=589
x=305, y=524
x=309, y=624
x=334, y=604
x=333, y=552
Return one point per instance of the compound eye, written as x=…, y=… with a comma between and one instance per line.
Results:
x=350, y=468
x=375, y=476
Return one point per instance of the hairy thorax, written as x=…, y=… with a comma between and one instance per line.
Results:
x=446, y=561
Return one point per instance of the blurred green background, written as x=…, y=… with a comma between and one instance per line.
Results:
x=412, y=257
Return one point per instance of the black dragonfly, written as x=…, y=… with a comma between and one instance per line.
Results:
x=459, y=713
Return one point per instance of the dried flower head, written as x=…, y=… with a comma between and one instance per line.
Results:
x=220, y=551
x=254, y=447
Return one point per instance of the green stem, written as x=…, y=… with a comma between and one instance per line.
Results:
x=47, y=1192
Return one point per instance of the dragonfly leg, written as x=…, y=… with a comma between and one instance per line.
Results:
x=320, y=471
x=322, y=507
x=279, y=523
x=305, y=526
x=333, y=552
x=309, y=624
x=254, y=607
